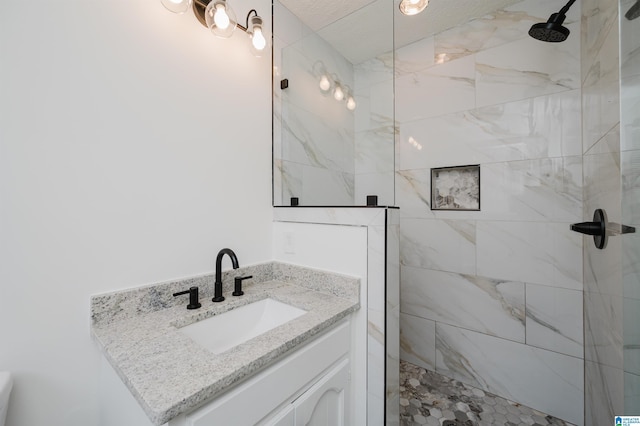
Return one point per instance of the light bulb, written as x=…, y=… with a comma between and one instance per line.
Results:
x=413, y=7
x=325, y=84
x=258, y=40
x=221, y=18
x=351, y=103
x=177, y=6
x=338, y=94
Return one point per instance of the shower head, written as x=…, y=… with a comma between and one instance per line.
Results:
x=633, y=12
x=552, y=30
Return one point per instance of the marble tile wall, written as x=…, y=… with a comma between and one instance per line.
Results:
x=611, y=156
x=314, y=155
x=323, y=153
x=494, y=298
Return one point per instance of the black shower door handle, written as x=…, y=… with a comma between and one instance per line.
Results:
x=601, y=229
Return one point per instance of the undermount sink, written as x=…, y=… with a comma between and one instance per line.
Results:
x=224, y=331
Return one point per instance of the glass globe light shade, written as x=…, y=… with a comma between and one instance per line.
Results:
x=177, y=6
x=413, y=7
x=220, y=18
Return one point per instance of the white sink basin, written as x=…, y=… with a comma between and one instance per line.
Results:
x=222, y=332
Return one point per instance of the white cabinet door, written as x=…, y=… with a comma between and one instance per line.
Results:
x=286, y=417
x=326, y=402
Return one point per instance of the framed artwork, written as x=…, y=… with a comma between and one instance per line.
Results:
x=455, y=188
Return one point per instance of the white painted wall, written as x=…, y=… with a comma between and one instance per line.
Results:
x=122, y=163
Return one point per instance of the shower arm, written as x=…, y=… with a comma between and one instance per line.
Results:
x=566, y=7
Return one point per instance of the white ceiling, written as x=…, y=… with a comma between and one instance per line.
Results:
x=361, y=29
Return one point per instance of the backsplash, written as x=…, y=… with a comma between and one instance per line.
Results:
x=110, y=307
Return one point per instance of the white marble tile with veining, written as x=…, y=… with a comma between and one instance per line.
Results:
x=438, y=90
x=534, y=190
x=544, y=380
x=418, y=341
x=527, y=68
x=415, y=57
x=603, y=329
x=540, y=253
x=541, y=127
x=630, y=112
x=601, y=74
x=631, y=335
x=631, y=392
x=604, y=393
x=374, y=151
x=311, y=140
x=324, y=187
x=554, y=319
x=489, y=306
x=444, y=245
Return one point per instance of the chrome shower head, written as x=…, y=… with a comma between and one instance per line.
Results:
x=552, y=31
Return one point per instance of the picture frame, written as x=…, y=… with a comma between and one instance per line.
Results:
x=455, y=188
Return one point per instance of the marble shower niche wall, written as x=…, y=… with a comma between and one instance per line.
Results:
x=494, y=297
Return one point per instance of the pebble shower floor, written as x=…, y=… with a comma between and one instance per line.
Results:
x=427, y=398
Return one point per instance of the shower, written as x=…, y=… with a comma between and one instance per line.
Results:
x=552, y=30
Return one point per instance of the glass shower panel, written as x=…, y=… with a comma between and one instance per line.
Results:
x=630, y=178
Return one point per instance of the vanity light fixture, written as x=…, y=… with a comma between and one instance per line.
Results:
x=219, y=17
x=413, y=7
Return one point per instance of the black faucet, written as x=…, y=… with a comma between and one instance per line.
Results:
x=217, y=295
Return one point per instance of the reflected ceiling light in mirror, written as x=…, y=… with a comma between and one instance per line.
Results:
x=338, y=93
x=415, y=143
x=219, y=17
x=325, y=83
x=351, y=103
x=413, y=7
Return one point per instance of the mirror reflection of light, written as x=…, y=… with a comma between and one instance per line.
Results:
x=351, y=103
x=441, y=58
x=338, y=94
x=325, y=84
x=414, y=143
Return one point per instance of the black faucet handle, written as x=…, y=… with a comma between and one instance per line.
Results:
x=194, y=303
x=237, y=288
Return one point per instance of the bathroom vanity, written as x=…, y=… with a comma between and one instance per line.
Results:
x=283, y=376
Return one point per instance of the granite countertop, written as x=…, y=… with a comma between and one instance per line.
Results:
x=168, y=373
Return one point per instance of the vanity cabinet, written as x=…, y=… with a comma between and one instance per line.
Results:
x=311, y=386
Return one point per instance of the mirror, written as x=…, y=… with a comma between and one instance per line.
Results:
x=333, y=135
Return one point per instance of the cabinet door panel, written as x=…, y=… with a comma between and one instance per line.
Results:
x=285, y=418
x=324, y=404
